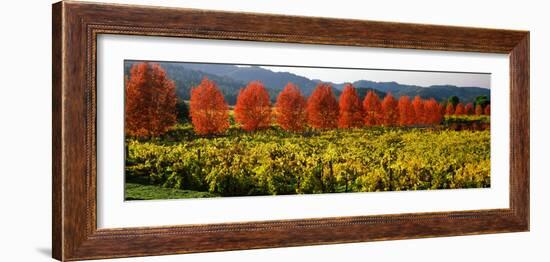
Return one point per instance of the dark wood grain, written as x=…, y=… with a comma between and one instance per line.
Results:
x=57, y=195
x=519, y=129
x=75, y=29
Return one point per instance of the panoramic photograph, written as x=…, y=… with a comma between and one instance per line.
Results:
x=203, y=130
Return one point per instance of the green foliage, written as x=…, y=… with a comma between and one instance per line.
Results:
x=454, y=100
x=182, y=111
x=275, y=162
x=482, y=100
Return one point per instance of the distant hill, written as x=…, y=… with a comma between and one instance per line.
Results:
x=231, y=79
x=272, y=80
x=443, y=92
x=439, y=92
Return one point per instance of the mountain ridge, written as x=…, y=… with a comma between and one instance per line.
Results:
x=231, y=78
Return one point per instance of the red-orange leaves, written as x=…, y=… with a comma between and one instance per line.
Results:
x=450, y=109
x=432, y=112
x=487, y=110
x=372, y=109
x=253, y=108
x=322, y=108
x=419, y=113
x=150, y=104
x=479, y=110
x=469, y=109
x=290, y=108
x=351, y=113
x=460, y=109
x=208, y=109
x=406, y=111
x=389, y=110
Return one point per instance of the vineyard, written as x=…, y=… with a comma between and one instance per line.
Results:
x=273, y=162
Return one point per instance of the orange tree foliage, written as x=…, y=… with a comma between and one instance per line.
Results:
x=450, y=110
x=372, y=109
x=351, y=112
x=459, y=109
x=290, y=108
x=469, y=109
x=322, y=108
x=442, y=109
x=432, y=112
x=150, y=104
x=406, y=111
x=389, y=111
x=479, y=110
x=487, y=110
x=253, y=108
x=418, y=105
x=208, y=109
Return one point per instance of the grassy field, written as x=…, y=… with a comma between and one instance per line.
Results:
x=274, y=162
x=137, y=188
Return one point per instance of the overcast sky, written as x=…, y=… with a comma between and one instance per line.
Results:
x=403, y=77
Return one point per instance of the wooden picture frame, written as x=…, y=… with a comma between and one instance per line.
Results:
x=76, y=26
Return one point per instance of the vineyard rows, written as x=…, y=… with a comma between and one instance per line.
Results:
x=356, y=160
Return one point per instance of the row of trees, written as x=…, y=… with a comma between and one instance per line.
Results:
x=151, y=107
x=293, y=112
x=469, y=109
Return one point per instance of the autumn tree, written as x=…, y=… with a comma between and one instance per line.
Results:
x=322, y=108
x=208, y=109
x=253, y=108
x=479, y=110
x=150, y=104
x=432, y=112
x=351, y=112
x=469, y=109
x=450, y=110
x=487, y=110
x=372, y=109
x=389, y=111
x=442, y=109
x=406, y=111
x=418, y=105
x=459, y=109
x=290, y=108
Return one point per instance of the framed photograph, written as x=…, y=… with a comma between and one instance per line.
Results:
x=182, y=130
